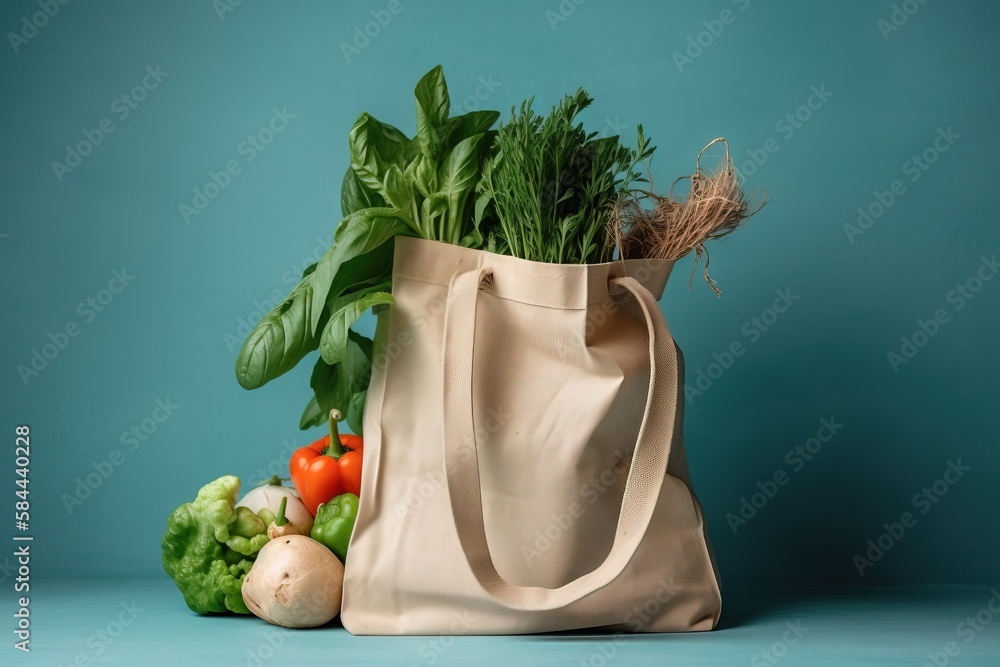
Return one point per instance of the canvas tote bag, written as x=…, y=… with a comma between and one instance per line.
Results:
x=524, y=464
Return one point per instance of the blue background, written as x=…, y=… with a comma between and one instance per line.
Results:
x=165, y=335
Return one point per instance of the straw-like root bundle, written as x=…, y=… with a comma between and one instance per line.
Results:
x=650, y=226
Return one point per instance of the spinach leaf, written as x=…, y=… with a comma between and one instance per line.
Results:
x=374, y=146
x=281, y=339
x=398, y=189
x=371, y=268
x=356, y=411
x=354, y=196
x=357, y=234
x=312, y=415
x=457, y=176
x=335, y=385
x=432, y=99
x=472, y=123
x=333, y=342
x=284, y=336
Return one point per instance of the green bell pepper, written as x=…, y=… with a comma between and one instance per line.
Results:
x=335, y=522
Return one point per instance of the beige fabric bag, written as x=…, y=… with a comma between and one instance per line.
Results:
x=524, y=463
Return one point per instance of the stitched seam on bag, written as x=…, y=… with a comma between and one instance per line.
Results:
x=625, y=298
x=716, y=584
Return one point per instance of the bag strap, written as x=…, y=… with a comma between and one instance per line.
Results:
x=646, y=472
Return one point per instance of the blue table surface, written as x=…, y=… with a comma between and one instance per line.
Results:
x=139, y=622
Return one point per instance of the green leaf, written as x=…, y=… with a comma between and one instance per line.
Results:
x=285, y=335
x=457, y=177
x=371, y=268
x=432, y=213
x=460, y=169
x=365, y=345
x=374, y=146
x=334, y=304
x=335, y=385
x=482, y=201
x=474, y=239
x=354, y=196
x=312, y=416
x=423, y=173
x=398, y=189
x=356, y=412
x=328, y=387
x=468, y=125
x=431, y=95
x=357, y=234
x=333, y=342
x=281, y=339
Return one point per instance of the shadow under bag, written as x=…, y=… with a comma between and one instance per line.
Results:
x=524, y=456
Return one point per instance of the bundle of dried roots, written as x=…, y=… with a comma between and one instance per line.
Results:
x=646, y=225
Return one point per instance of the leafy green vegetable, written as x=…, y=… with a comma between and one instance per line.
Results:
x=333, y=344
x=335, y=385
x=354, y=196
x=210, y=545
x=357, y=234
x=547, y=188
x=433, y=102
x=356, y=410
x=374, y=146
x=395, y=186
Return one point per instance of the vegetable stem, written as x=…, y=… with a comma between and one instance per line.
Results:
x=280, y=520
x=274, y=480
x=336, y=448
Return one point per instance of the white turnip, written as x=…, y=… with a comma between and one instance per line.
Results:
x=270, y=496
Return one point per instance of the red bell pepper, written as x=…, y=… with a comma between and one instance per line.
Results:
x=328, y=467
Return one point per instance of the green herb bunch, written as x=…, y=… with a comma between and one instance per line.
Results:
x=546, y=191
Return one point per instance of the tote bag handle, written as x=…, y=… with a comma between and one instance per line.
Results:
x=646, y=472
